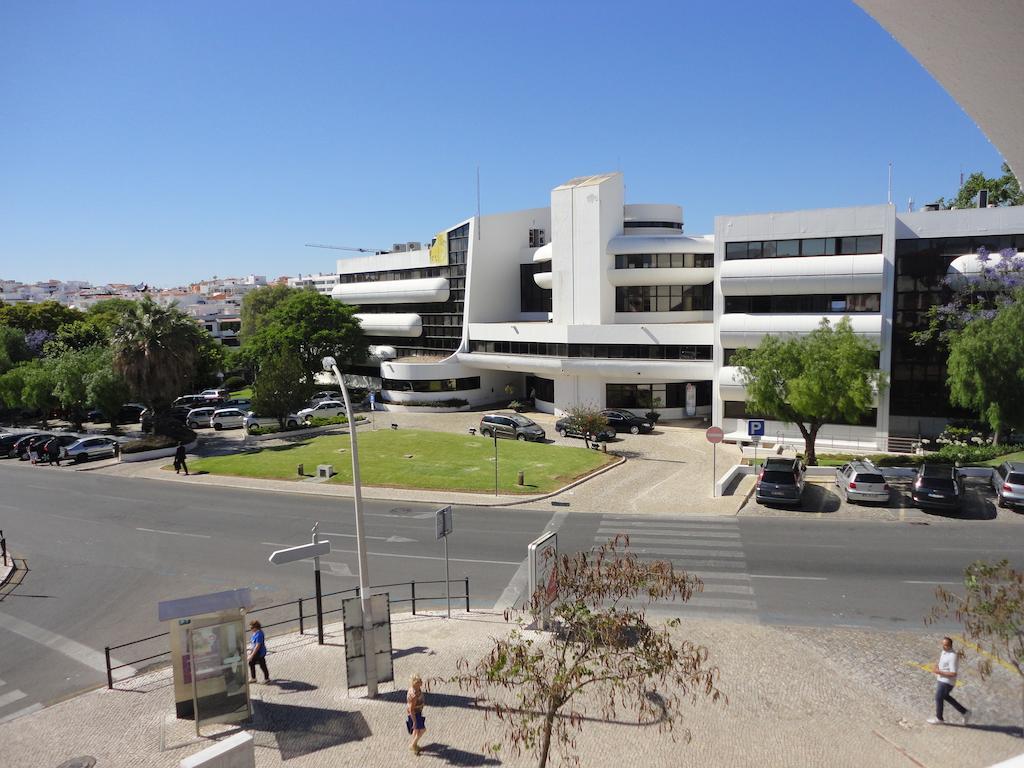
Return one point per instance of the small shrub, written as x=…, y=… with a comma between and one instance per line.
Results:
x=451, y=402
x=233, y=383
x=326, y=421
x=967, y=454
x=150, y=443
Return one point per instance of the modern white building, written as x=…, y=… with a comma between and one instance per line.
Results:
x=596, y=301
x=322, y=283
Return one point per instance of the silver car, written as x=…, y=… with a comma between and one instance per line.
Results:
x=1008, y=483
x=226, y=418
x=862, y=481
x=325, y=409
x=91, y=448
x=199, y=417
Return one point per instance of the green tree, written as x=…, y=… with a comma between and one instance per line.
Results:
x=281, y=386
x=986, y=367
x=601, y=646
x=155, y=352
x=587, y=420
x=106, y=390
x=70, y=371
x=13, y=349
x=1002, y=190
x=37, y=389
x=257, y=305
x=108, y=313
x=992, y=614
x=12, y=388
x=45, y=316
x=313, y=326
x=210, y=362
x=828, y=376
x=78, y=334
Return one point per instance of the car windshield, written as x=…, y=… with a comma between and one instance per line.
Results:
x=777, y=476
x=1015, y=478
x=937, y=483
x=521, y=421
x=863, y=477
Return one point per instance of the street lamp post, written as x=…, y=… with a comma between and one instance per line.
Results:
x=369, y=651
x=495, y=436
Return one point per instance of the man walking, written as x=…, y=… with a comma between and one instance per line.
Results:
x=179, y=459
x=53, y=451
x=945, y=674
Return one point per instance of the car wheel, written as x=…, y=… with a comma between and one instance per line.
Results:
x=193, y=425
x=634, y=430
x=81, y=457
x=521, y=438
x=217, y=427
x=485, y=433
x=292, y=424
x=561, y=432
x=1001, y=502
x=252, y=429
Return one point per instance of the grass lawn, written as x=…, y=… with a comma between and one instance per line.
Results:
x=412, y=458
x=1018, y=456
x=242, y=394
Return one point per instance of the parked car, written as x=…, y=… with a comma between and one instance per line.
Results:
x=127, y=414
x=199, y=417
x=938, y=486
x=781, y=481
x=862, y=481
x=190, y=401
x=7, y=441
x=92, y=448
x=624, y=421
x=241, y=403
x=215, y=394
x=177, y=413
x=252, y=422
x=567, y=428
x=511, y=425
x=1008, y=483
x=327, y=394
x=325, y=409
x=226, y=418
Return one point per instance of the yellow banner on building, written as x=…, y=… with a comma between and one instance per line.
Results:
x=439, y=250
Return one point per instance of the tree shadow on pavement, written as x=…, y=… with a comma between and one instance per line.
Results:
x=398, y=653
x=303, y=730
x=434, y=699
x=454, y=756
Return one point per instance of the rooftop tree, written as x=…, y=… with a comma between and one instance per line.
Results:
x=828, y=376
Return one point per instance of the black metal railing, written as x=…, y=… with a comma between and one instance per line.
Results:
x=297, y=614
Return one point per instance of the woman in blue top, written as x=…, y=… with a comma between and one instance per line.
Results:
x=258, y=652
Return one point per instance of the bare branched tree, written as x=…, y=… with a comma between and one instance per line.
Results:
x=602, y=650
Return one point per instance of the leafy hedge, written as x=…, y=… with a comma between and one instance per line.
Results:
x=326, y=421
x=451, y=402
x=149, y=443
x=232, y=383
x=271, y=429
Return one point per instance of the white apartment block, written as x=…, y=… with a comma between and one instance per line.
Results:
x=322, y=283
x=593, y=300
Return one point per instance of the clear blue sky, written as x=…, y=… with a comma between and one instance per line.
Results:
x=168, y=142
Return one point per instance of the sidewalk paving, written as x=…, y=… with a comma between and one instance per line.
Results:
x=796, y=697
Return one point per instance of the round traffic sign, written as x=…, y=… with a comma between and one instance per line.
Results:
x=714, y=434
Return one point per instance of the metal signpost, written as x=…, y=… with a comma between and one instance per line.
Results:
x=755, y=429
x=304, y=552
x=445, y=524
x=373, y=408
x=495, y=436
x=542, y=557
x=714, y=435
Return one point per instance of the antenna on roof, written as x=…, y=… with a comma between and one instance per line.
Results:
x=890, y=183
x=478, y=202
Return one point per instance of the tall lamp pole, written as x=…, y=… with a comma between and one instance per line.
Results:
x=369, y=651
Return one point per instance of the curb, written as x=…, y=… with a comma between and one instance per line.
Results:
x=6, y=571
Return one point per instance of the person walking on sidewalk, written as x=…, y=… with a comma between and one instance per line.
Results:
x=53, y=451
x=257, y=651
x=415, y=723
x=945, y=674
x=179, y=459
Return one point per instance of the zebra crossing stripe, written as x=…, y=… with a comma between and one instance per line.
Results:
x=10, y=698
x=672, y=542
x=666, y=532
x=664, y=552
x=21, y=713
x=655, y=520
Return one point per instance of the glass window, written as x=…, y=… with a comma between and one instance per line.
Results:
x=754, y=250
x=815, y=247
x=787, y=248
x=837, y=304
x=869, y=244
x=768, y=249
x=736, y=250
x=678, y=260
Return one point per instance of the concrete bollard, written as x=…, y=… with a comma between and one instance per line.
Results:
x=300, y=471
x=520, y=478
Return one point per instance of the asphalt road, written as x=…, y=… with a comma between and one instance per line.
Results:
x=102, y=551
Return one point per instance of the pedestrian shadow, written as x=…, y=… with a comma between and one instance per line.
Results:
x=398, y=653
x=301, y=731
x=292, y=686
x=454, y=756
x=1009, y=730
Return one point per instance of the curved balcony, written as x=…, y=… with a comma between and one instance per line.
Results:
x=543, y=280
x=662, y=276
x=406, y=325
x=730, y=385
x=627, y=245
x=805, y=274
x=421, y=291
x=544, y=253
x=382, y=352
x=602, y=368
x=970, y=266
x=741, y=330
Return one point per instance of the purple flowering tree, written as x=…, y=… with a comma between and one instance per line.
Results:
x=36, y=340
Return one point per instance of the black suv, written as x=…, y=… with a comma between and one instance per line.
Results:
x=624, y=421
x=938, y=486
x=781, y=481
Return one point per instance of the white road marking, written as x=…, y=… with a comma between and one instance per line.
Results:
x=430, y=557
x=685, y=542
x=725, y=589
x=665, y=552
x=389, y=539
x=63, y=645
x=338, y=569
x=663, y=532
x=520, y=581
x=795, y=578
x=10, y=698
x=21, y=713
x=953, y=583
x=175, y=533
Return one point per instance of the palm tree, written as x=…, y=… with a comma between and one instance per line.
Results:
x=155, y=351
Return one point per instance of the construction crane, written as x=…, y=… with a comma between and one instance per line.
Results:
x=345, y=248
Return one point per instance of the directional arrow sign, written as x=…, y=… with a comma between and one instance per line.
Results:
x=304, y=552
